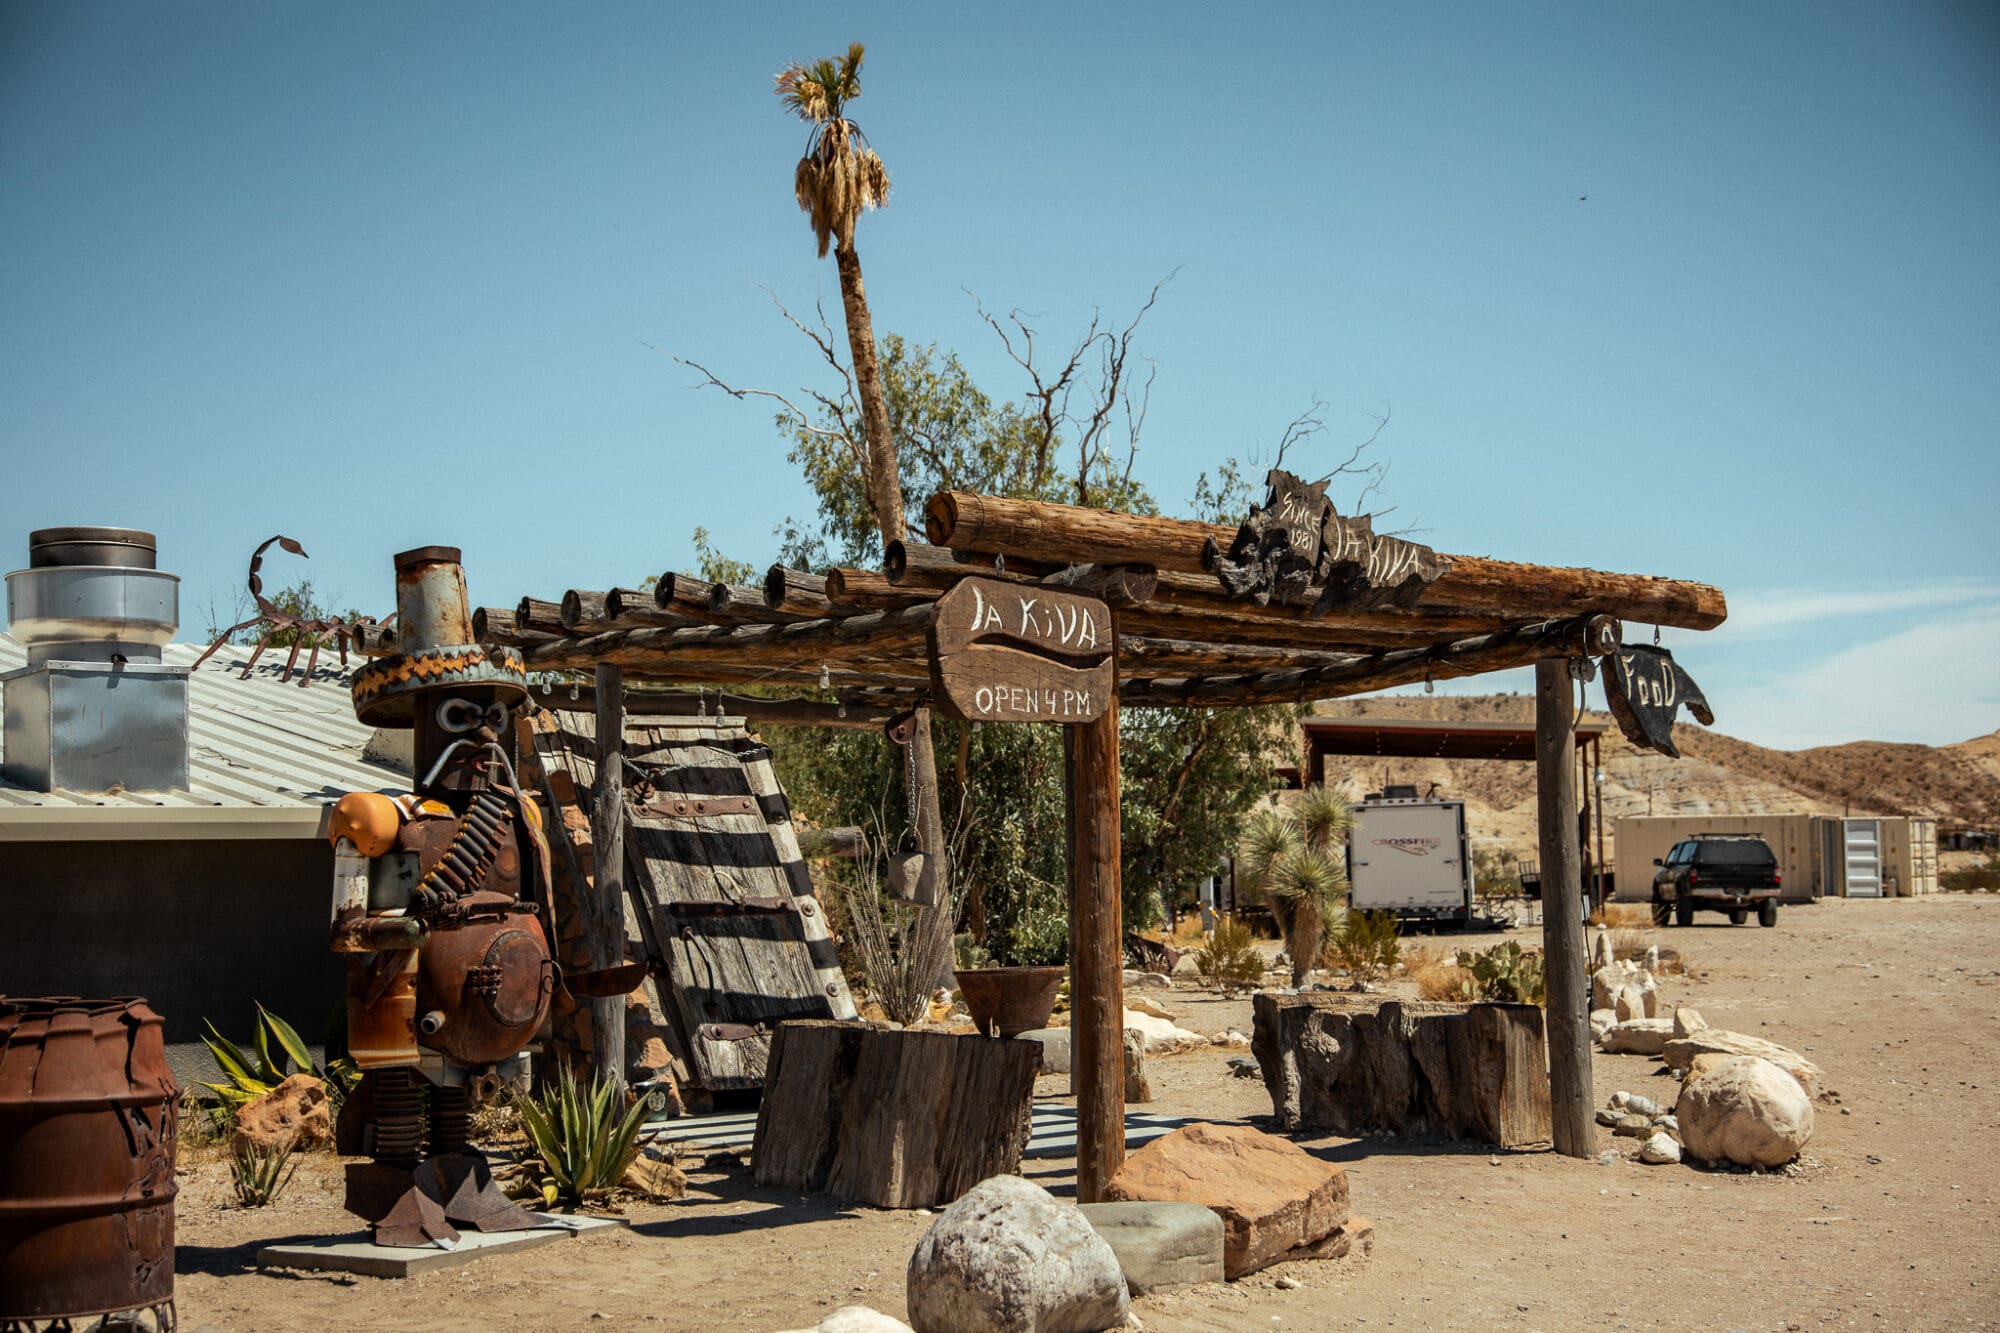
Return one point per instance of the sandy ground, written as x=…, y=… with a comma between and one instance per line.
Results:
x=1890, y=1221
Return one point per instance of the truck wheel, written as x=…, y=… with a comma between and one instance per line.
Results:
x=1767, y=912
x=1738, y=916
x=1661, y=912
x=1684, y=911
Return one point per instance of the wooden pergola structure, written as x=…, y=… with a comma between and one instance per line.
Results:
x=1180, y=637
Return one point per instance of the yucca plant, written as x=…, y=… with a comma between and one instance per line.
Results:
x=1294, y=858
x=259, y=1175
x=254, y=1072
x=584, y=1145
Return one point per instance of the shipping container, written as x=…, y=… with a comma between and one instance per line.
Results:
x=1641, y=839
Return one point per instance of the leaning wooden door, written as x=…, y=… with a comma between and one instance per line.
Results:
x=726, y=903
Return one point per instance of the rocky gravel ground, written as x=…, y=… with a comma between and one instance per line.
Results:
x=1890, y=1219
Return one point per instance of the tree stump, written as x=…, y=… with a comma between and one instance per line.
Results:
x=1346, y=1064
x=890, y=1118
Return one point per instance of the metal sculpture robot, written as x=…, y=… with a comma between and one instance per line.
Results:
x=441, y=905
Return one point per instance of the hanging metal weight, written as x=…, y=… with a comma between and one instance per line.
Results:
x=913, y=877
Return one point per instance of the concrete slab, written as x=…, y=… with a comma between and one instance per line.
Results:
x=355, y=1253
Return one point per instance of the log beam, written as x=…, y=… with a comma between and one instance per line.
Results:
x=1562, y=908
x=1587, y=636
x=1037, y=530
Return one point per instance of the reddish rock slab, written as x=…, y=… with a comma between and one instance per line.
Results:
x=1276, y=1200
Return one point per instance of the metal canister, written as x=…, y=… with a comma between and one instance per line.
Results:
x=88, y=1123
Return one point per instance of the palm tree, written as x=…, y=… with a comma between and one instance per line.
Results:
x=839, y=177
x=1294, y=858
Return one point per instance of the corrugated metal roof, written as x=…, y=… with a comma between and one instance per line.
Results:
x=255, y=744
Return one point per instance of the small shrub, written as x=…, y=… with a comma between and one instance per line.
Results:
x=1436, y=976
x=1495, y=874
x=259, y=1176
x=1230, y=960
x=1981, y=877
x=583, y=1147
x=1187, y=932
x=1365, y=946
x=1629, y=943
x=1447, y=981
x=1635, y=916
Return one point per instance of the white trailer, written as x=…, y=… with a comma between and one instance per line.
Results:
x=1410, y=857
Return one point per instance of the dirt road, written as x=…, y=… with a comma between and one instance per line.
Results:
x=1891, y=1221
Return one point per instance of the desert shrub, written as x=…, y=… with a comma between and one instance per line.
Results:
x=1623, y=915
x=1496, y=874
x=1187, y=932
x=1365, y=946
x=1981, y=877
x=1507, y=973
x=1437, y=977
x=1229, y=961
x=1629, y=943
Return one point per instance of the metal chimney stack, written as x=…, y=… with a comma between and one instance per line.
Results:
x=95, y=708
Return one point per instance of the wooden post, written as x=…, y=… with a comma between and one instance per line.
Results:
x=604, y=905
x=938, y=921
x=1562, y=907
x=1096, y=959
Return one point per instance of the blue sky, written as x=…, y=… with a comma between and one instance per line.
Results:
x=1710, y=291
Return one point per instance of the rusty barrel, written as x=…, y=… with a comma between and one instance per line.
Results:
x=88, y=1120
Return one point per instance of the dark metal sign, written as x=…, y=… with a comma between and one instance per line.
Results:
x=1009, y=652
x=1296, y=550
x=1646, y=688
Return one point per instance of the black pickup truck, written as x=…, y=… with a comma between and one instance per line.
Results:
x=1716, y=872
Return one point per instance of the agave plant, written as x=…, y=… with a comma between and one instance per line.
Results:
x=259, y=1175
x=584, y=1146
x=252, y=1073
x=1293, y=857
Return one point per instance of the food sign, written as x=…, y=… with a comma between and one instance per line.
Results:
x=1012, y=652
x=1646, y=688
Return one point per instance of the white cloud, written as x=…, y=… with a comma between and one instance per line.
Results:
x=1934, y=683
x=1760, y=614
x=1793, y=687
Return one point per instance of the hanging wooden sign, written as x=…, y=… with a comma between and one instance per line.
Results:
x=1646, y=688
x=1296, y=550
x=1011, y=652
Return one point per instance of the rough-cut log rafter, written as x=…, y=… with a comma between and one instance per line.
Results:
x=768, y=643
x=797, y=592
x=1036, y=530
x=1584, y=636
x=849, y=710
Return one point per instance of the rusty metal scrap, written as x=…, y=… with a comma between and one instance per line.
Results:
x=316, y=630
x=88, y=1122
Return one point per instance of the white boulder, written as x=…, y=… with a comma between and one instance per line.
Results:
x=1637, y=1036
x=1009, y=1257
x=1681, y=1052
x=1743, y=1109
x=1660, y=1150
x=1161, y=1034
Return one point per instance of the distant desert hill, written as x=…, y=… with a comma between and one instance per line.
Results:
x=1717, y=774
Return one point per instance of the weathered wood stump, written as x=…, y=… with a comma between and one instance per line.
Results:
x=891, y=1118
x=1347, y=1064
